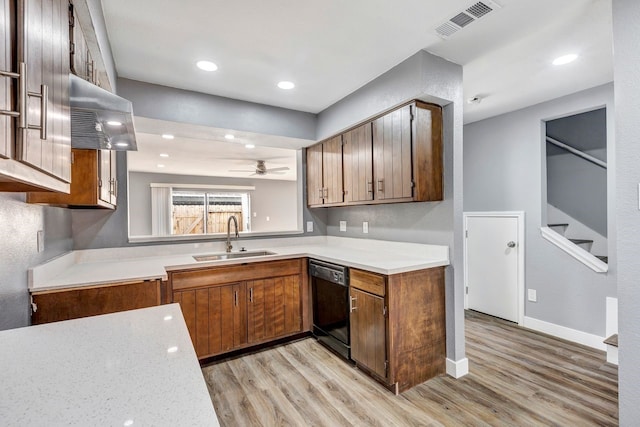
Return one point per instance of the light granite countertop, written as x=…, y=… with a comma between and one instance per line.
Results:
x=102, y=266
x=132, y=368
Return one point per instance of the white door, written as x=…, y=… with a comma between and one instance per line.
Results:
x=492, y=260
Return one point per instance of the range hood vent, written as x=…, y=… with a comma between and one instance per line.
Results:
x=466, y=17
x=100, y=120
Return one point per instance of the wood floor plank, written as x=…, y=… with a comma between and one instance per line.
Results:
x=517, y=377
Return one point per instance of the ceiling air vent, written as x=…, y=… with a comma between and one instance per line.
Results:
x=466, y=17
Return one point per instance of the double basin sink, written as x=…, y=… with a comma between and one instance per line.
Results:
x=232, y=255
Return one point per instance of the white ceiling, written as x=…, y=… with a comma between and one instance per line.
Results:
x=330, y=48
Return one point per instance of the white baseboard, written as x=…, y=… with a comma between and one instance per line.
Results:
x=458, y=368
x=590, y=340
x=612, y=354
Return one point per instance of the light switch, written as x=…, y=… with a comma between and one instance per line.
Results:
x=532, y=295
x=365, y=227
x=343, y=225
x=309, y=226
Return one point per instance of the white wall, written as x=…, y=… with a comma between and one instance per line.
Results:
x=504, y=171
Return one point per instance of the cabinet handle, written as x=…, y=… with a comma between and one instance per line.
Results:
x=21, y=76
x=235, y=298
x=320, y=193
x=352, y=307
x=250, y=294
x=44, y=112
x=326, y=193
x=381, y=185
x=369, y=186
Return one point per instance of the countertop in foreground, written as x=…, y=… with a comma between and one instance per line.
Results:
x=133, y=368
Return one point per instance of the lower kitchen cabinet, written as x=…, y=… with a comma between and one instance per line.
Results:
x=398, y=332
x=65, y=304
x=233, y=307
x=369, y=331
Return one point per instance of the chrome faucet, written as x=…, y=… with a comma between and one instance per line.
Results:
x=235, y=222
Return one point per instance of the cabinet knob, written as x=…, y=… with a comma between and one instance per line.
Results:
x=511, y=244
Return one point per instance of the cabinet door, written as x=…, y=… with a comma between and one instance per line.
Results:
x=392, y=158
x=368, y=331
x=43, y=45
x=358, y=164
x=74, y=303
x=332, y=170
x=273, y=308
x=7, y=31
x=314, y=175
x=215, y=317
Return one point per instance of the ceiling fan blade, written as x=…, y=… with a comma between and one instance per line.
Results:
x=277, y=169
x=241, y=170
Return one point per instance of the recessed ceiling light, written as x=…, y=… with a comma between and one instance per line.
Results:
x=206, y=65
x=164, y=155
x=128, y=423
x=160, y=165
x=168, y=317
x=565, y=59
x=122, y=144
x=167, y=136
x=286, y=85
x=114, y=123
x=172, y=349
x=250, y=146
x=229, y=136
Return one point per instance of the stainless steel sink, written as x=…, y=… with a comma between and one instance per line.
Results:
x=231, y=255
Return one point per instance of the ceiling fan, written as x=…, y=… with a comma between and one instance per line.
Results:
x=261, y=169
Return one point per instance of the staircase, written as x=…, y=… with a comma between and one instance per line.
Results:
x=585, y=244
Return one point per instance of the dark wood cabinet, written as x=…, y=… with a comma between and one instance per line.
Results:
x=398, y=329
x=233, y=307
x=35, y=123
x=369, y=331
x=397, y=157
x=215, y=317
x=65, y=304
x=357, y=164
x=324, y=173
x=93, y=184
x=274, y=308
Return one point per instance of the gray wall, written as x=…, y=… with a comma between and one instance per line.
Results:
x=183, y=106
x=503, y=171
x=273, y=198
x=626, y=39
x=19, y=224
x=430, y=78
x=574, y=185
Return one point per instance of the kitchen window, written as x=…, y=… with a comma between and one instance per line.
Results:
x=200, y=212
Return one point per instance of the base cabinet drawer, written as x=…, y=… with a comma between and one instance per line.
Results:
x=53, y=306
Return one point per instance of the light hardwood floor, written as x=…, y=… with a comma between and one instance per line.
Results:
x=517, y=378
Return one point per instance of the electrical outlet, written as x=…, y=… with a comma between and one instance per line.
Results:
x=365, y=227
x=309, y=226
x=532, y=295
x=40, y=240
x=343, y=225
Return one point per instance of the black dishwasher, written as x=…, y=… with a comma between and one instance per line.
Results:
x=330, y=292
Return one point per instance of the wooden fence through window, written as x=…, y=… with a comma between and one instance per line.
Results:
x=188, y=219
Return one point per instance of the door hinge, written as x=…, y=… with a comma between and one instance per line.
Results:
x=386, y=368
x=466, y=290
x=100, y=182
x=72, y=19
x=72, y=48
x=413, y=184
x=384, y=311
x=466, y=233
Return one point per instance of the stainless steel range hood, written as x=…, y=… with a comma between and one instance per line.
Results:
x=99, y=119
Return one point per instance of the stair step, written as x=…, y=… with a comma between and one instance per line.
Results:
x=603, y=258
x=557, y=225
x=612, y=340
x=580, y=241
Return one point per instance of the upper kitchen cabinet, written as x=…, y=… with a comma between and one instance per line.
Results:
x=81, y=59
x=93, y=183
x=397, y=157
x=357, y=164
x=35, y=151
x=324, y=173
x=407, y=154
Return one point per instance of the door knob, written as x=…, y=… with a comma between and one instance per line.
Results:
x=511, y=244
